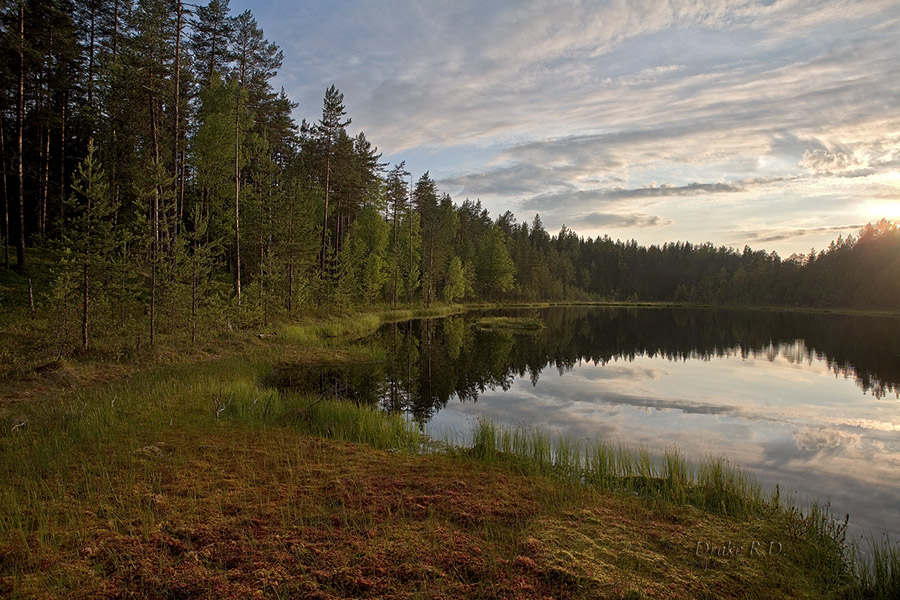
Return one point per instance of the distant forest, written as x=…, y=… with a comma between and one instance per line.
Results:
x=146, y=152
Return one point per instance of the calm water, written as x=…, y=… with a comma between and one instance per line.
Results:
x=809, y=401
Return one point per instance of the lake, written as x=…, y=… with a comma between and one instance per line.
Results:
x=809, y=401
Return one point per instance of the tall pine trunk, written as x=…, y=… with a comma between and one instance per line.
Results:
x=325, y=216
x=396, y=257
x=290, y=265
x=237, y=196
x=154, y=247
x=62, y=160
x=176, y=134
x=20, y=118
x=45, y=186
x=85, y=313
x=5, y=194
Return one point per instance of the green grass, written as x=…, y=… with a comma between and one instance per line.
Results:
x=713, y=485
x=337, y=329
x=331, y=330
x=878, y=570
x=514, y=323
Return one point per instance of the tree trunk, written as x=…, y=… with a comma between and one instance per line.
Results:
x=62, y=161
x=290, y=266
x=5, y=194
x=85, y=313
x=91, y=45
x=115, y=36
x=176, y=134
x=237, y=195
x=154, y=247
x=180, y=214
x=31, y=300
x=325, y=217
x=409, y=286
x=194, y=298
x=261, y=271
x=84, y=309
x=396, y=260
x=20, y=118
x=45, y=185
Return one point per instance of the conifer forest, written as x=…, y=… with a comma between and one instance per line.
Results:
x=147, y=157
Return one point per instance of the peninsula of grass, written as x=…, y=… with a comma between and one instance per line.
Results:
x=510, y=323
x=192, y=480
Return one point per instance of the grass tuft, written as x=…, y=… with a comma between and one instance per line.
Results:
x=515, y=323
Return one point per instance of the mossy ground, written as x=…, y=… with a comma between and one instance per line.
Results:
x=238, y=511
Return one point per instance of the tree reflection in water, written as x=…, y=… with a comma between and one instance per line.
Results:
x=430, y=361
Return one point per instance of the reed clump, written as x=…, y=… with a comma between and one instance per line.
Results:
x=713, y=485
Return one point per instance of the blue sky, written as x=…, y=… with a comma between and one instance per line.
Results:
x=773, y=123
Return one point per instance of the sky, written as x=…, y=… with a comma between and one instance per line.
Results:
x=768, y=123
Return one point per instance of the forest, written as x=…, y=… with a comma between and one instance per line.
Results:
x=151, y=167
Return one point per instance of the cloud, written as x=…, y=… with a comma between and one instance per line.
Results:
x=823, y=161
x=664, y=190
x=813, y=440
x=790, y=234
x=581, y=199
x=596, y=219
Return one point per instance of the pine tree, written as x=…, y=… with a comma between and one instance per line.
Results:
x=211, y=40
x=397, y=194
x=89, y=234
x=326, y=135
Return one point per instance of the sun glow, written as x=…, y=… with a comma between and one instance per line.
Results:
x=887, y=210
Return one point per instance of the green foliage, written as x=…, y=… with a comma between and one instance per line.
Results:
x=363, y=258
x=459, y=281
x=495, y=270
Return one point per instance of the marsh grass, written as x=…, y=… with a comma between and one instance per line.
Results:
x=514, y=323
x=337, y=329
x=713, y=485
x=349, y=422
x=878, y=570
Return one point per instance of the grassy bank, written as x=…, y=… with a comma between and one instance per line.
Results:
x=191, y=480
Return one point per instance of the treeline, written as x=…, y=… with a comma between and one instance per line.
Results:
x=860, y=271
x=144, y=144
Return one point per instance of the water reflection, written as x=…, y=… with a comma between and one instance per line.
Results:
x=805, y=400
